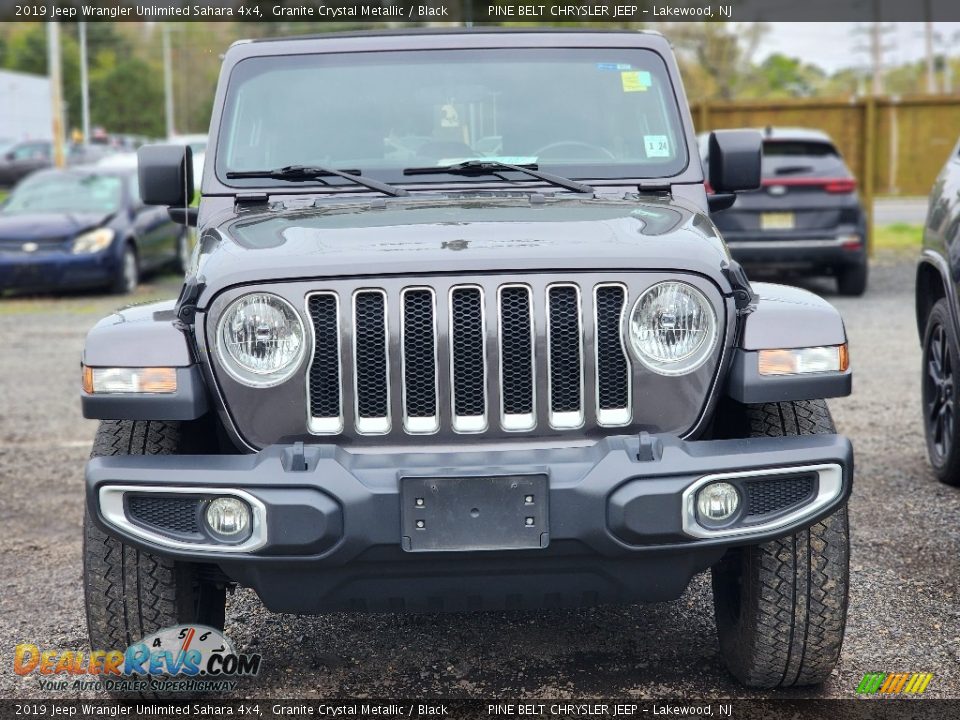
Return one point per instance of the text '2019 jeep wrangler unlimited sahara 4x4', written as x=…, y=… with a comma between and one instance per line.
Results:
x=416, y=365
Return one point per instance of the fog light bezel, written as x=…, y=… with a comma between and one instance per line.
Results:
x=830, y=486
x=110, y=499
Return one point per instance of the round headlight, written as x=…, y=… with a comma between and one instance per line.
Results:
x=673, y=328
x=260, y=339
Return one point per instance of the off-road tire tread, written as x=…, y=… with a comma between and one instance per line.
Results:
x=142, y=591
x=792, y=591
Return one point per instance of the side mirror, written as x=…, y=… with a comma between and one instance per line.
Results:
x=165, y=173
x=734, y=160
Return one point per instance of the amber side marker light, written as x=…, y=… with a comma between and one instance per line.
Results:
x=104, y=381
x=801, y=361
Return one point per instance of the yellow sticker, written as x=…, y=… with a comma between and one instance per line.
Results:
x=635, y=80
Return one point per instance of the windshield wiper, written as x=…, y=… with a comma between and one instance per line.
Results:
x=495, y=167
x=318, y=172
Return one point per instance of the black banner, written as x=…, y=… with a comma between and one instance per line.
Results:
x=479, y=11
x=592, y=709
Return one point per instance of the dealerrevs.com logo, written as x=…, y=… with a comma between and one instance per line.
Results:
x=182, y=658
x=894, y=683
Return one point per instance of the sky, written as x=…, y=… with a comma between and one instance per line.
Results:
x=834, y=46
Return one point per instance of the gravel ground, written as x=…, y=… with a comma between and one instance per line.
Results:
x=903, y=610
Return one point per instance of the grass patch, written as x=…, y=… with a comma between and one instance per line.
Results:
x=898, y=236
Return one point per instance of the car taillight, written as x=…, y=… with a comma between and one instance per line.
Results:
x=840, y=185
x=708, y=187
x=830, y=185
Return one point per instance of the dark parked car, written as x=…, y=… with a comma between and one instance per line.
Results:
x=938, y=322
x=423, y=376
x=806, y=218
x=84, y=228
x=23, y=158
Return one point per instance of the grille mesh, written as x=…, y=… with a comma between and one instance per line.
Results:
x=325, y=371
x=612, y=367
x=467, y=345
x=169, y=514
x=419, y=358
x=565, y=350
x=371, y=352
x=774, y=495
x=516, y=343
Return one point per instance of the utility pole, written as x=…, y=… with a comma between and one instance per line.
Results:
x=928, y=48
x=56, y=90
x=84, y=85
x=168, y=79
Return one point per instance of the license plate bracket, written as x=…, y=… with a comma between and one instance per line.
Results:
x=466, y=513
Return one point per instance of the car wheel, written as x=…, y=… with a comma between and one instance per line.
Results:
x=130, y=593
x=781, y=607
x=128, y=274
x=852, y=279
x=939, y=394
x=182, y=261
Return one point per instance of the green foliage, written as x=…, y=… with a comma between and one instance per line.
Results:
x=898, y=236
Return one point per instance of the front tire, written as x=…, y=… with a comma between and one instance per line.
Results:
x=941, y=359
x=781, y=607
x=130, y=593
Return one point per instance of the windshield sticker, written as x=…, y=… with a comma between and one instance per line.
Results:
x=636, y=80
x=614, y=66
x=657, y=146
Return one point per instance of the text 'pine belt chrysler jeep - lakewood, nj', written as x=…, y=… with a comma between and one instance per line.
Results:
x=459, y=334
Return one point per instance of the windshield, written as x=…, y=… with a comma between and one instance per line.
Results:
x=615, y=115
x=66, y=192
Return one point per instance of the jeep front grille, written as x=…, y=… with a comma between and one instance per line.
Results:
x=469, y=358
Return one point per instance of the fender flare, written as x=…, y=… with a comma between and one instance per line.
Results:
x=145, y=336
x=786, y=318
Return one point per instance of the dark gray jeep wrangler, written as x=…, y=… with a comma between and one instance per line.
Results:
x=459, y=334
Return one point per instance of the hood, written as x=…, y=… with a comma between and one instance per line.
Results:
x=410, y=236
x=49, y=227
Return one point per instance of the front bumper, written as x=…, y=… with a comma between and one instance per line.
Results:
x=332, y=527
x=55, y=270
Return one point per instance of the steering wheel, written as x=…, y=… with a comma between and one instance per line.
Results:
x=598, y=150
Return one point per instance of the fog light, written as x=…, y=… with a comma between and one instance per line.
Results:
x=717, y=502
x=228, y=517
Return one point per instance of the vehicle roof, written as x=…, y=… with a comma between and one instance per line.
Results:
x=794, y=133
x=449, y=39
x=85, y=170
x=432, y=31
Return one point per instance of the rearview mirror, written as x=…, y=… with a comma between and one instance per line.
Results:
x=734, y=164
x=165, y=173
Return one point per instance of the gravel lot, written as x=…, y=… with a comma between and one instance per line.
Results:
x=903, y=610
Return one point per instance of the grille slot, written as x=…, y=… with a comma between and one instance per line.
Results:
x=468, y=364
x=326, y=414
x=168, y=515
x=779, y=494
x=419, y=361
x=371, y=372
x=613, y=366
x=516, y=358
x=565, y=350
